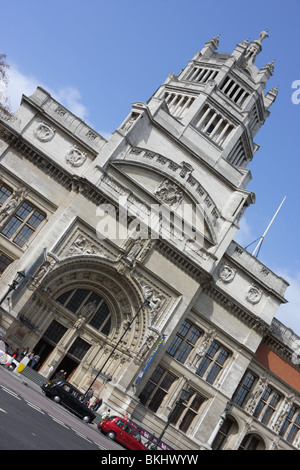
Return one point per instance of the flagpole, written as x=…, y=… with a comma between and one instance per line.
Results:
x=262, y=238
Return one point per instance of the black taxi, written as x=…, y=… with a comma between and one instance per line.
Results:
x=69, y=396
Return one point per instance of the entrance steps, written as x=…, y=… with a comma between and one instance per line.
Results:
x=33, y=375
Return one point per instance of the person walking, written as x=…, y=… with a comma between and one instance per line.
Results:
x=88, y=396
x=35, y=360
x=96, y=405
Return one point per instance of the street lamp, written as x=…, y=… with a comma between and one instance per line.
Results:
x=146, y=303
x=184, y=395
x=18, y=278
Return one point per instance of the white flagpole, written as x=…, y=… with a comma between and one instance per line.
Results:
x=262, y=238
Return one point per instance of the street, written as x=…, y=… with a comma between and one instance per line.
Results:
x=31, y=421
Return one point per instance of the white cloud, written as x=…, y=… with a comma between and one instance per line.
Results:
x=19, y=84
x=289, y=314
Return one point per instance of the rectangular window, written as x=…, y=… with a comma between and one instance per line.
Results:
x=55, y=332
x=213, y=362
x=4, y=194
x=156, y=388
x=4, y=262
x=184, y=341
x=266, y=405
x=290, y=427
x=244, y=389
x=22, y=224
x=185, y=413
x=79, y=348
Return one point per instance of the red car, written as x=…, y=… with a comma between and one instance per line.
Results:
x=123, y=432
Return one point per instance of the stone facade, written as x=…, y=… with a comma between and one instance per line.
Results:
x=77, y=214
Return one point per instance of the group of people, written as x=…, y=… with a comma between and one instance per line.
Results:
x=33, y=358
x=96, y=405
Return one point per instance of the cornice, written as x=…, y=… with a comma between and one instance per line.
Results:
x=233, y=307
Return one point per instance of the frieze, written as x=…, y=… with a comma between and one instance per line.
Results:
x=184, y=171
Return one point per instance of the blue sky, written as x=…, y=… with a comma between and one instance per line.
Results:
x=97, y=57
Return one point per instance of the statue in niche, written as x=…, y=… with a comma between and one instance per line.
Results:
x=11, y=204
x=87, y=310
x=85, y=313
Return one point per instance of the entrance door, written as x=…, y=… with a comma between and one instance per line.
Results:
x=43, y=348
x=67, y=364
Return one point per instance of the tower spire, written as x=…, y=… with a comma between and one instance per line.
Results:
x=255, y=47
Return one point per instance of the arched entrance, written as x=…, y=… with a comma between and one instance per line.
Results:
x=88, y=305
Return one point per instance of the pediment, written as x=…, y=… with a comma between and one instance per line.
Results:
x=171, y=184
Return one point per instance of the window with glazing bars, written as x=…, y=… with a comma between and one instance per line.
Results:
x=291, y=424
x=22, y=224
x=244, y=389
x=79, y=348
x=187, y=411
x=75, y=299
x=4, y=262
x=156, y=388
x=213, y=362
x=184, y=341
x=266, y=405
x=5, y=192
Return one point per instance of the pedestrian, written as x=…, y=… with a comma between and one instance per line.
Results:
x=51, y=368
x=96, y=405
x=150, y=440
x=59, y=376
x=35, y=360
x=105, y=415
x=24, y=353
x=88, y=396
x=16, y=353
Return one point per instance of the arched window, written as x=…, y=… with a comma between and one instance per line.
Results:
x=252, y=442
x=75, y=299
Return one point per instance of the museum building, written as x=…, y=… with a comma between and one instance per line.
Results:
x=131, y=280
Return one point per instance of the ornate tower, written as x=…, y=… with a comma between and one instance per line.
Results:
x=197, y=133
x=175, y=176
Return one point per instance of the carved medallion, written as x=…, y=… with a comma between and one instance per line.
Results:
x=44, y=132
x=226, y=273
x=253, y=294
x=75, y=156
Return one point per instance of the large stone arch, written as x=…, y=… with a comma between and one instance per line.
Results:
x=120, y=292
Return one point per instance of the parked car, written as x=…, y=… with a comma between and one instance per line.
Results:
x=123, y=432
x=69, y=396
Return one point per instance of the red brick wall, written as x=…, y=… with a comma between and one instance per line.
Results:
x=278, y=366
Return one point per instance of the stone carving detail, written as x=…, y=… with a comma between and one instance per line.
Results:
x=11, y=204
x=75, y=156
x=206, y=341
x=82, y=246
x=157, y=299
x=226, y=273
x=253, y=294
x=45, y=269
x=257, y=393
x=44, y=132
x=169, y=193
x=285, y=408
x=136, y=248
